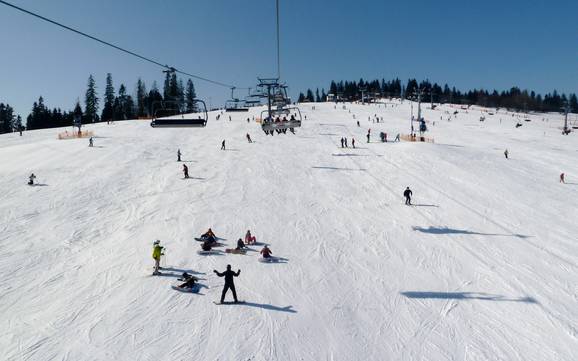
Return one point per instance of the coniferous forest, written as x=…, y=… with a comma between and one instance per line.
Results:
x=121, y=104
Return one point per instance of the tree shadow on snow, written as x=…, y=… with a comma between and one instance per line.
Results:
x=270, y=307
x=337, y=168
x=446, y=230
x=465, y=296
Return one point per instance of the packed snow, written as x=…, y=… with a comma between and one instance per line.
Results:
x=482, y=267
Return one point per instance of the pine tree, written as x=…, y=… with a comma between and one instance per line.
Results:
x=108, y=109
x=317, y=97
x=301, y=98
x=6, y=118
x=91, y=101
x=141, y=94
x=181, y=94
x=190, y=96
x=309, y=96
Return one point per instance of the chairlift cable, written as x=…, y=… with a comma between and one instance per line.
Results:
x=169, y=68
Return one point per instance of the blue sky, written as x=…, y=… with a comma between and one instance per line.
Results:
x=483, y=44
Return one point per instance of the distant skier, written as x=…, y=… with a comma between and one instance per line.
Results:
x=250, y=239
x=186, y=170
x=90, y=142
x=345, y=139
x=248, y=136
x=342, y=143
x=368, y=135
x=157, y=254
x=353, y=142
x=562, y=180
x=248, y=120
x=506, y=153
x=266, y=252
x=407, y=194
x=229, y=282
x=223, y=145
x=357, y=122
x=178, y=155
x=31, y=179
x=385, y=137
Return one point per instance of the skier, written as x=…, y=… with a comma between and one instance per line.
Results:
x=353, y=142
x=248, y=136
x=229, y=283
x=178, y=155
x=342, y=146
x=90, y=142
x=186, y=170
x=345, y=142
x=157, y=254
x=223, y=145
x=249, y=239
x=357, y=122
x=407, y=194
x=562, y=178
x=506, y=153
x=368, y=135
x=385, y=137
x=31, y=179
x=240, y=244
x=266, y=252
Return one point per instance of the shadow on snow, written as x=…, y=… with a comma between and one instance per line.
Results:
x=465, y=296
x=337, y=168
x=446, y=230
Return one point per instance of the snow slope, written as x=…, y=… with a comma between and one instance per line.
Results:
x=483, y=267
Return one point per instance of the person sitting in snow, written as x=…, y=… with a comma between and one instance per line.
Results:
x=189, y=282
x=240, y=244
x=207, y=245
x=250, y=239
x=209, y=236
x=266, y=252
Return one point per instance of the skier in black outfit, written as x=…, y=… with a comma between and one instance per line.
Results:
x=229, y=283
x=223, y=145
x=407, y=194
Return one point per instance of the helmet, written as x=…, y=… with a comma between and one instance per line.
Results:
x=156, y=242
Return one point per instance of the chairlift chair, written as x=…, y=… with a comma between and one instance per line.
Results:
x=269, y=123
x=168, y=115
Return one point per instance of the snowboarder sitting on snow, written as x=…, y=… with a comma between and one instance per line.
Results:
x=31, y=179
x=266, y=252
x=407, y=194
x=249, y=239
x=229, y=282
x=157, y=254
x=189, y=283
x=240, y=245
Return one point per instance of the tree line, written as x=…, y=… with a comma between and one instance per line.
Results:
x=116, y=105
x=513, y=99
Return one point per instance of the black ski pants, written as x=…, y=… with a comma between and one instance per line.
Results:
x=226, y=288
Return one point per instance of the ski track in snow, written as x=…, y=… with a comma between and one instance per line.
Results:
x=482, y=267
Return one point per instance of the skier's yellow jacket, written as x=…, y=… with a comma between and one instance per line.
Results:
x=157, y=251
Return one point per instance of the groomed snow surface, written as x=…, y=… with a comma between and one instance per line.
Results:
x=483, y=267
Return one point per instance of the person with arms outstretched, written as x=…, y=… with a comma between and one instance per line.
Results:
x=229, y=282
